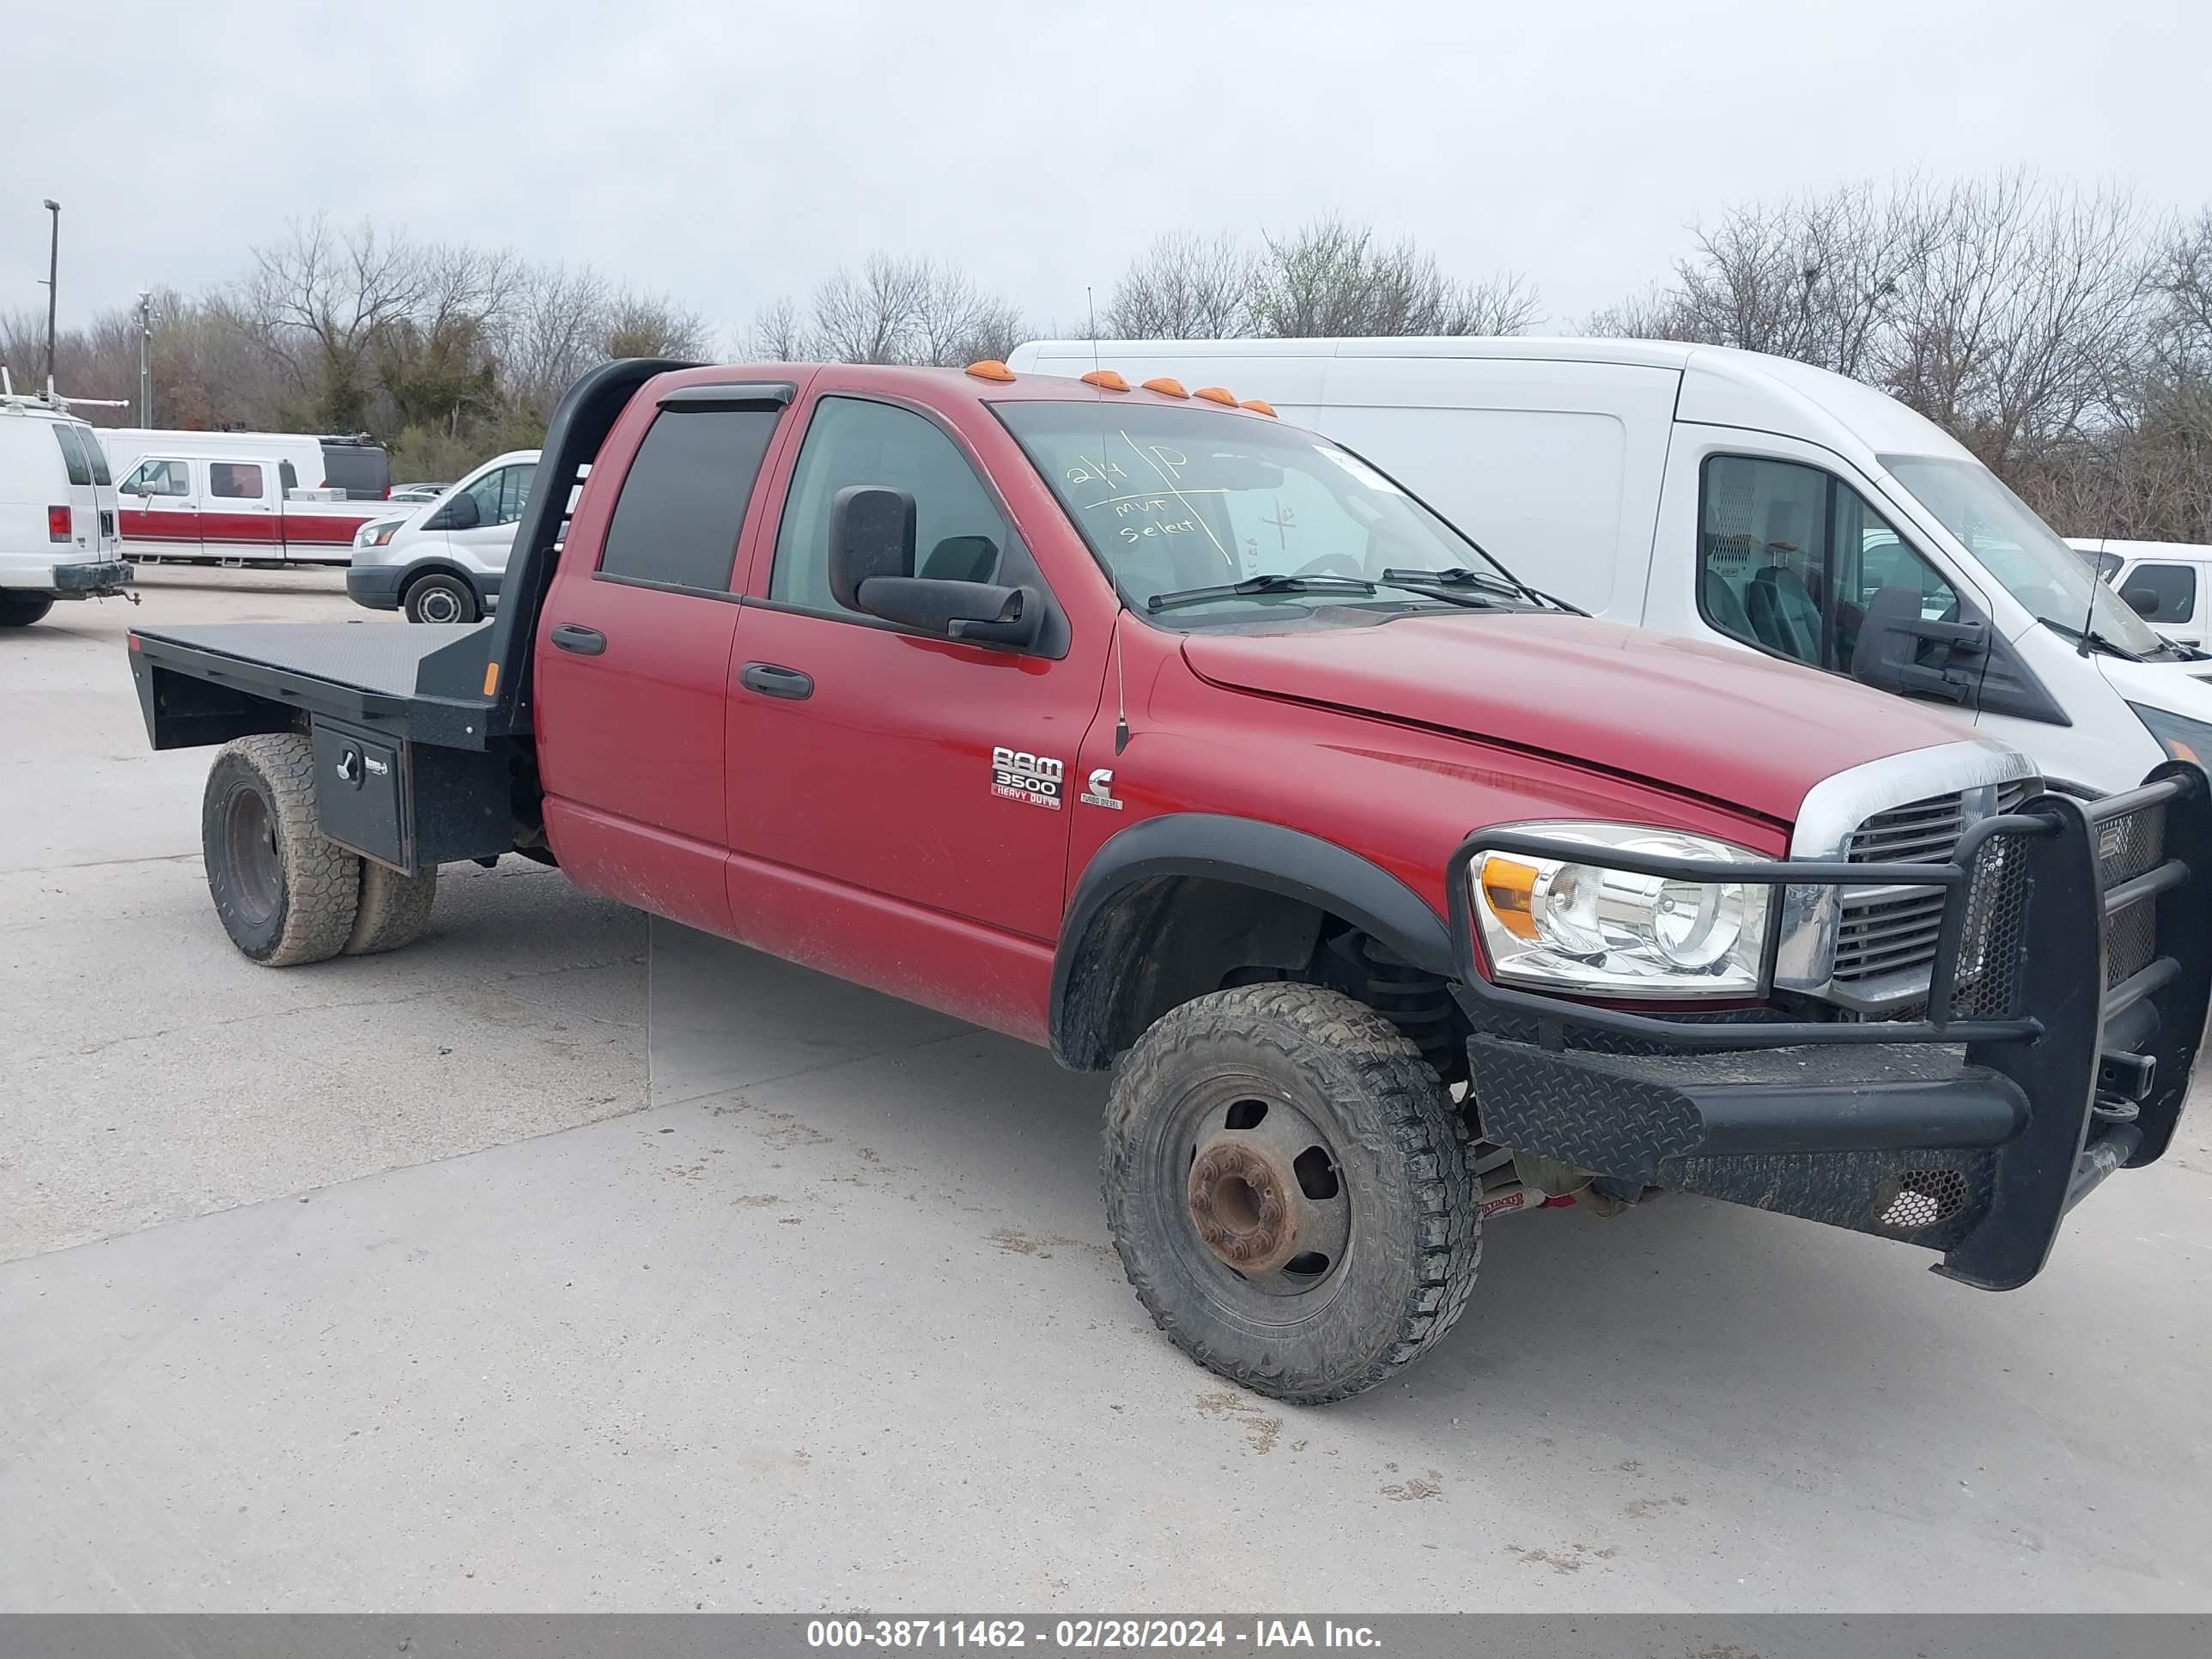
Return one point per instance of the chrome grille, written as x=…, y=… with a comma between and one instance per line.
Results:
x=1892, y=930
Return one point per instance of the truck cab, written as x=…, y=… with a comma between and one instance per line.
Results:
x=1138, y=724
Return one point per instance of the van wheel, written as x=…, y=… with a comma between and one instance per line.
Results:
x=1287, y=1184
x=285, y=893
x=21, y=613
x=393, y=910
x=439, y=597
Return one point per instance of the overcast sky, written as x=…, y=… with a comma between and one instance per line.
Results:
x=730, y=153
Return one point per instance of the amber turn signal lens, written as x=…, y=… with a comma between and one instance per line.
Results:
x=1106, y=380
x=1508, y=887
x=991, y=369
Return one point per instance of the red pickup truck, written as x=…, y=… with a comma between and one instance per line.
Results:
x=1132, y=722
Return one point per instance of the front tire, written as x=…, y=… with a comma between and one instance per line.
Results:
x=1287, y=1184
x=285, y=893
x=439, y=598
x=16, y=612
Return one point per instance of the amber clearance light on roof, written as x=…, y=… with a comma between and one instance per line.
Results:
x=1166, y=387
x=991, y=369
x=1106, y=380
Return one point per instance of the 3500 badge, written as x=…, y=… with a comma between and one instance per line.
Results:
x=1019, y=776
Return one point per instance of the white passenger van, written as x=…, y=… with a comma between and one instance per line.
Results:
x=1731, y=496
x=2168, y=584
x=443, y=561
x=57, y=528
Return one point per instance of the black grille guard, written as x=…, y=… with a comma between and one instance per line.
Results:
x=2067, y=1080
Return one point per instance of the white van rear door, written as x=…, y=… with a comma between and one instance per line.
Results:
x=76, y=539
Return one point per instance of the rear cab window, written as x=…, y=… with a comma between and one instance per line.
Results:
x=683, y=503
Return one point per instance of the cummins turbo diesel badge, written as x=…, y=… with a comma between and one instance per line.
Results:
x=1019, y=776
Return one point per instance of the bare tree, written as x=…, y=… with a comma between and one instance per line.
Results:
x=639, y=323
x=903, y=311
x=1185, y=287
x=1332, y=278
x=777, y=334
x=317, y=301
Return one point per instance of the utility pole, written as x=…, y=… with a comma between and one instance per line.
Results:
x=146, y=360
x=53, y=275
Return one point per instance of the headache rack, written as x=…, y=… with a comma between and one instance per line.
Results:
x=2068, y=967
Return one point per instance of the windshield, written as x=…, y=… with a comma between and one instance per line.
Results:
x=1174, y=500
x=2020, y=550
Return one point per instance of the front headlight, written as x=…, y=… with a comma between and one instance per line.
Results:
x=1581, y=926
x=2182, y=738
x=377, y=535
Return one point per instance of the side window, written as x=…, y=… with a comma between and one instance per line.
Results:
x=2161, y=592
x=158, y=479
x=959, y=532
x=74, y=459
x=1796, y=562
x=514, y=491
x=484, y=492
x=682, y=502
x=287, y=479
x=234, y=481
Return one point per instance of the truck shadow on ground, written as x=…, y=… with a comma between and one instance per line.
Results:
x=1723, y=1318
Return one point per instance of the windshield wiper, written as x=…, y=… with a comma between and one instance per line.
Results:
x=1264, y=583
x=1460, y=576
x=2091, y=638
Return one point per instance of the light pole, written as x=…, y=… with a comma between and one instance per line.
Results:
x=53, y=274
x=146, y=360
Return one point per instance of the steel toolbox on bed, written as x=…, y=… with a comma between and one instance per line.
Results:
x=1971, y=1129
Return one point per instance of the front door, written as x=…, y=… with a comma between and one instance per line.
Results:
x=2167, y=593
x=160, y=508
x=633, y=660
x=899, y=803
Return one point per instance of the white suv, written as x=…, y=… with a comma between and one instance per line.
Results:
x=443, y=562
x=58, y=529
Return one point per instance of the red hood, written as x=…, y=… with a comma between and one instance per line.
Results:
x=1734, y=727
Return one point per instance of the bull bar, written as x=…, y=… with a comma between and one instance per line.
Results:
x=2048, y=1055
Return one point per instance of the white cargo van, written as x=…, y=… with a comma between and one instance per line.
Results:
x=58, y=529
x=444, y=561
x=1731, y=496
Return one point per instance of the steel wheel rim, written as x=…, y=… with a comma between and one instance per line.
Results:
x=257, y=871
x=438, y=604
x=1255, y=1198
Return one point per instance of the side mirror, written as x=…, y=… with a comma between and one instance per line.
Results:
x=2144, y=601
x=977, y=613
x=459, y=514
x=870, y=539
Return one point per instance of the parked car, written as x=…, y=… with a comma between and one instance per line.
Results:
x=355, y=466
x=443, y=562
x=57, y=530
x=1393, y=895
x=1740, y=499
x=417, y=493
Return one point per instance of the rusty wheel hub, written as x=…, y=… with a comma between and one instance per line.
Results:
x=1245, y=1205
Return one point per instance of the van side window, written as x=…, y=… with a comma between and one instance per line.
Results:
x=2169, y=589
x=158, y=478
x=960, y=535
x=287, y=479
x=79, y=466
x=234, y=481
x=499, y=495
x=1796, y=562
x=683, y=503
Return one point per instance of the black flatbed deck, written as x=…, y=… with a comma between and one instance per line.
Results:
x=397, y=678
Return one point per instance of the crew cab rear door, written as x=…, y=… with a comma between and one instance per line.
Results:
x=633, y=650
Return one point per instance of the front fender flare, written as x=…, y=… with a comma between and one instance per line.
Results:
x=1244, y=851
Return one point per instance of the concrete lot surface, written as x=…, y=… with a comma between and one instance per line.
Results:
x=563, y=1261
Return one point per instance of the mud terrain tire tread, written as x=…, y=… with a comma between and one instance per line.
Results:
x=1389, y=1108
x=393, y=909
x=321, y=881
